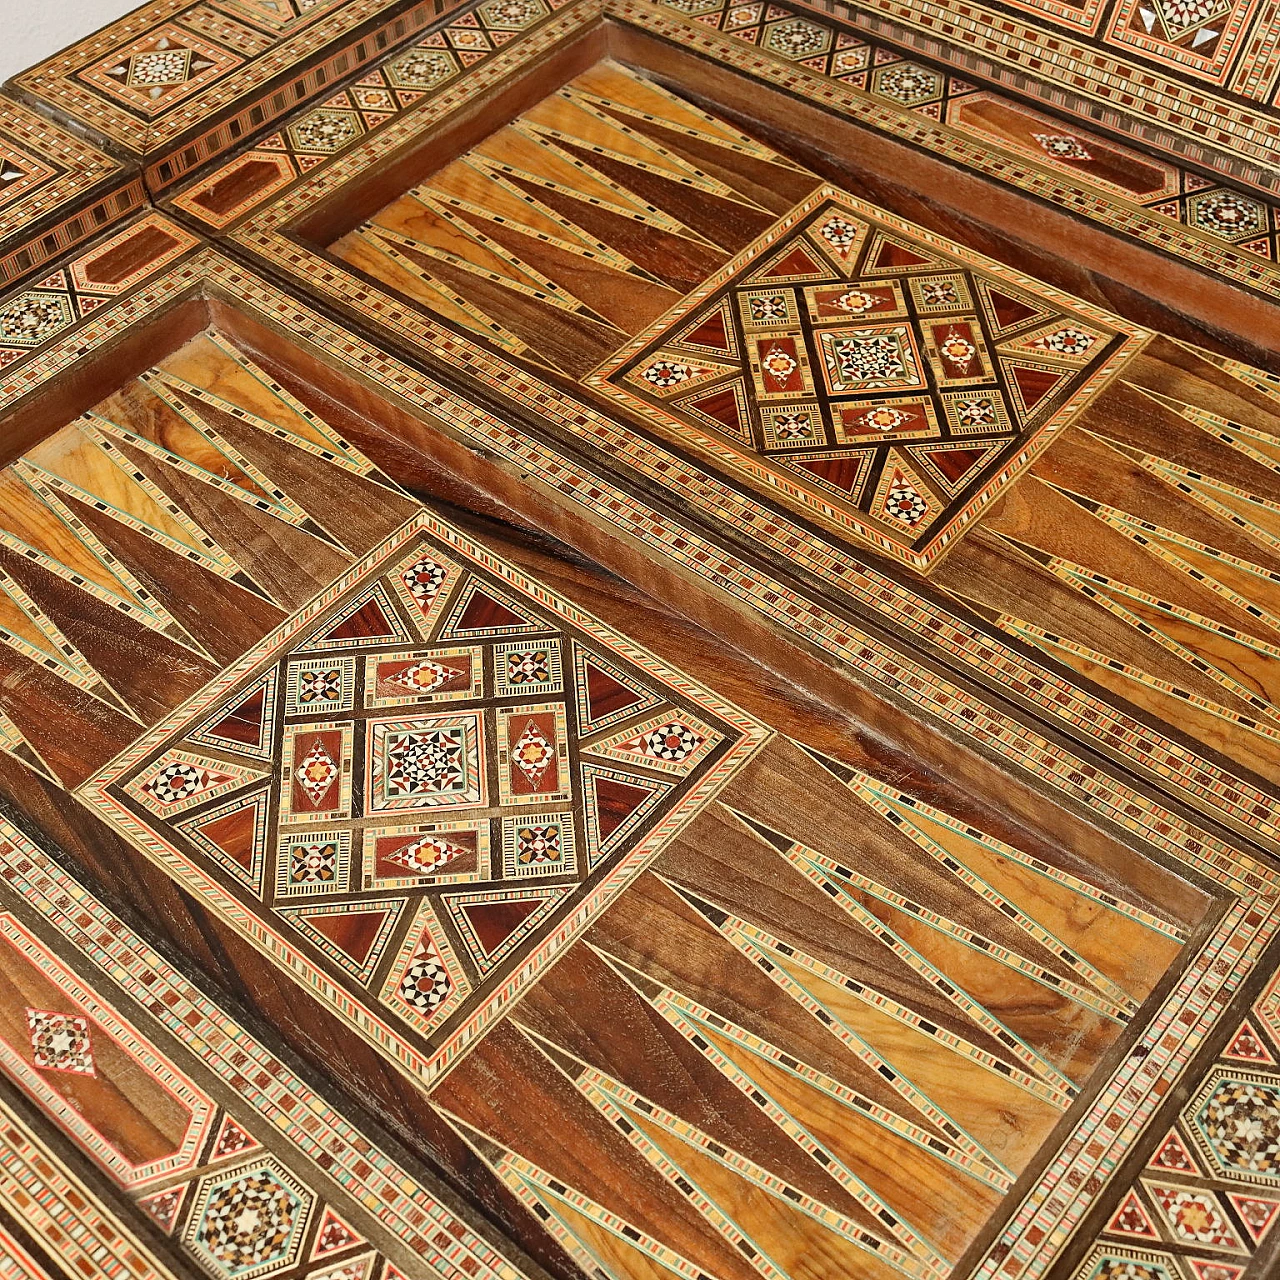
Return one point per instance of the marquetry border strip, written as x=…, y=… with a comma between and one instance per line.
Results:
x=1041, y=60
x=244, y=100
x=1071, y=192
x=15, y=1262
x=40, y=1191
x=398, y=1200
x=75, y=191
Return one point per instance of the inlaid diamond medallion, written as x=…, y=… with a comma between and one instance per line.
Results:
x=456, y=751
x=882, y=381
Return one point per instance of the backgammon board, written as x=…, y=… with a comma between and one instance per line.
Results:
x=641, y=639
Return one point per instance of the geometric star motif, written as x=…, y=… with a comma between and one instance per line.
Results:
x=34, y=317
x=533, y=753
x=668, y=373
x=423, y=579
x=60, y=1042
x=319, y=687
x=425, y=983
x=425, y=676
x=177, y=781
x=538, y=843
x=512, y=15
x=313, y=863
x=1241, y=1121
x=163, y=65
x=1181, y=15
x=840, y=304
x=674, y=741
x=798, y=39
x=426, y=855
x=903, y=502
x=180, y=779
x=1228, y=214
x=399, y=619
x=421, y=69
x=250, y=1221
x=908, y=84
x=862, y=359
x=529, y=667
x=1062, y=146
x=662, y=742
x=1195, y=1217
x=427, y=761
x=325, y=130
x=1067, y=341
x=157, y=70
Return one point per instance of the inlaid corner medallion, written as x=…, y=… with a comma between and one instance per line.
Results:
x=877, y=377
x=423, y=786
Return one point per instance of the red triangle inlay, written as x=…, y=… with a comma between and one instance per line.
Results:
x=710, y=333
x=368, y=622
x=353, y=933
x=243, y=723
x=1131, y=1219
x=722, y=406
x=334, y=1234
x=483, y=611
x=955, y=464
x=615, y=803
x=164, y=1205
x=796, y=263
x=842, y=473
x=1258, y=1216
x=234, y=833
x=898, y=255
x=1034, y=384
x=1212, y=1269
x=232, y=1140
x=605, y=695
x=1009, y=311
x=495, y=922
x=1173, y=1154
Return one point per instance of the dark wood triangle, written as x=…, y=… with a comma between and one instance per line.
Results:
x=289, y=564
x=222, y=618
x=354, y=510
x=677, y=261
x=724, y=222
x=772, y=186
x=150, y=672
x=495, y=922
